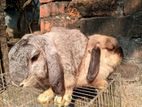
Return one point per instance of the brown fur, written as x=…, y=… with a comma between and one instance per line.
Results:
x=108, y=61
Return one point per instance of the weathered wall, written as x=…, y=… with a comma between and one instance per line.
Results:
x=91, y=16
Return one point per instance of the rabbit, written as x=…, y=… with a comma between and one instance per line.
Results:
x=62, y=59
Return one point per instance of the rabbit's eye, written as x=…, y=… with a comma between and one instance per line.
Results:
x=34, y=58
x=109, y=49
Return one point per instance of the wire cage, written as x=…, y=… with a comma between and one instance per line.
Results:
x=12, y=96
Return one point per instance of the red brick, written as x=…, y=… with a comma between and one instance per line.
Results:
x=42, y=25
x=53, y=8
x=62, y=8
x=47, y=23
x=45, y=1
x=45, y=26
x=45, y=10
x=48, y=26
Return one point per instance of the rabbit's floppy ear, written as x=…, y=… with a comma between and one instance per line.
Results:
x=16, y=47
x=55, y=69
x=22, y=42
x=93, y=69
x=56, y=75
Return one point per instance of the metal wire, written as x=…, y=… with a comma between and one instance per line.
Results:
x=134, y=60
x=12, y=96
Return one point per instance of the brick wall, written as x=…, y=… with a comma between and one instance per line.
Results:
x=112, y=17
x=57, y=14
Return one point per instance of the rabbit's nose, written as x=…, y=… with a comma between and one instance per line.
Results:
x=21, y=85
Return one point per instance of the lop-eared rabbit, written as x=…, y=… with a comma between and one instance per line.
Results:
x=62, y=59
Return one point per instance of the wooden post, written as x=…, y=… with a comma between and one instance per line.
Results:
x=4, y=63
x=4, y=54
